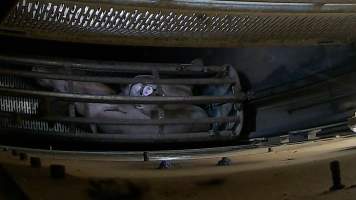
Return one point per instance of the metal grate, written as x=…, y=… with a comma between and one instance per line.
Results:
x=25, y=105
x=195, y=26
x=38, y=126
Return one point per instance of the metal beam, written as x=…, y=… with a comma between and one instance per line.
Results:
x=124, y=99
x=81, y=120
x=116, y=80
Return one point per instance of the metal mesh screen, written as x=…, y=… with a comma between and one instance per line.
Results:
x=36, y=125
x=25, y=105
x=173, y=26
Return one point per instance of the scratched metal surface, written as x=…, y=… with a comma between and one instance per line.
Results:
x=182, y=22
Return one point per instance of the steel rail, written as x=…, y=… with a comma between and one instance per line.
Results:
x=115, y=99
x=115, y=80
x=109, y=65
x=125, y=138
x=82, y=120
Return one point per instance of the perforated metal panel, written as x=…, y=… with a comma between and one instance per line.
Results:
x=36, y=125
x=209, y=24
x=25, y=105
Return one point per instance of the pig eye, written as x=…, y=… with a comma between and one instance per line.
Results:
x=147, y=91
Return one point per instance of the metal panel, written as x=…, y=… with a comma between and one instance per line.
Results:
x=182, y=23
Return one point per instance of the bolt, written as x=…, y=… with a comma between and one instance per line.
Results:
x=225, y=161
x=57, y=171
x=146, y=156
x=336, y=176
x=35, y=162
x=23, y=156
x=165, y=164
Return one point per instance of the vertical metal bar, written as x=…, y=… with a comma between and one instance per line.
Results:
x=161, y=113
x=236, y=88
x=71, y=107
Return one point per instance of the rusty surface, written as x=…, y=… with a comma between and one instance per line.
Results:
x=184, y=22
x=253, y=175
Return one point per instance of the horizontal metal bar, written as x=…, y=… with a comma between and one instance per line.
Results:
x=124, y=138
x=184, y=154
x=115, y=80
x=270, y=6
x=244, y=6
x=114, y=99
x=145, y=122
x=81, y=120
x=318, y=128
x=109, y=65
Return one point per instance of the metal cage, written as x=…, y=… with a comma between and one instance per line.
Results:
x=24, y=109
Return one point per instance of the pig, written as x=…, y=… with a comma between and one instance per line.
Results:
x=129, y=111
x=125, y=111
x=78, y=87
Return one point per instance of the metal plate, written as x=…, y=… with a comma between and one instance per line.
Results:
x=182, y=22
